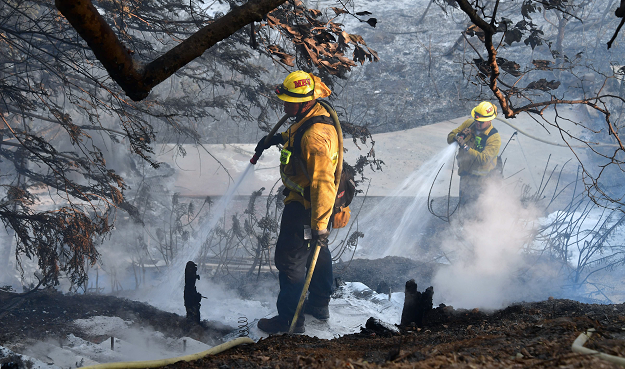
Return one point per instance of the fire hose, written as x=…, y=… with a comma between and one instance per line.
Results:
x=578, y=346
x=256, y=156
x=549, y=142
x=162, y=362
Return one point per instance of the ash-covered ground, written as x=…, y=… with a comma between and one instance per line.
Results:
x=534, y=334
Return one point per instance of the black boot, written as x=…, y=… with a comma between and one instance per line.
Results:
x=279, y=324
x=319, y=312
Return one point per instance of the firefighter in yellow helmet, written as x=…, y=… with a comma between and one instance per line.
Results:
x=479, y=145
x=307, y=166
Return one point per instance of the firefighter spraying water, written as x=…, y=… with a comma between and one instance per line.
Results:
x=479, y=145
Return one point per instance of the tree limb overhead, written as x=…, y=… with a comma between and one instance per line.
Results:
x=135, y=78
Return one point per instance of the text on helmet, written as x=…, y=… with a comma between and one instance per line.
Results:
x=302, y=82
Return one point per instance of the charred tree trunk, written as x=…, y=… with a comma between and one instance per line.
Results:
x=191, y=297
x=416, y=305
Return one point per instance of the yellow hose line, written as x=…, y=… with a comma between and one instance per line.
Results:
x=339, y=134
x=275, y=128
x=163, y=362
x=578, y=346
x=549, y=142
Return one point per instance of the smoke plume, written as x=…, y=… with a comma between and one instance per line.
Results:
x=485, y=249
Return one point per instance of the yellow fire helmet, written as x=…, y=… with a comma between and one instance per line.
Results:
x=300, y=86
x=484, y=112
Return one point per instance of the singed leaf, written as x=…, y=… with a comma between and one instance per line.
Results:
x=474, y=30
x=284, y=57
x=542, y=64
x=339, y=11
x=513, y=35
x=374, y=54
x=509, y=66
x=356, y=39
x=527, y=8
x=543, y=85
x=272, y=21
x=361, y=55
x=534, y=39
x=314, y=13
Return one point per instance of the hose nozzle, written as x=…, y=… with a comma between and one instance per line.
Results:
x=256, y=156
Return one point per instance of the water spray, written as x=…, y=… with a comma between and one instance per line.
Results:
x=397, y=223
x=175, y=274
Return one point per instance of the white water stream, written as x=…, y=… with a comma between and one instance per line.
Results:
x=393, y=227
x=396, y=224
x=173, y=279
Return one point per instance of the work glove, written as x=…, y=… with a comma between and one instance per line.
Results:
x=274, y=140
x=320, y=237
x=460, y=138
x=465, y=132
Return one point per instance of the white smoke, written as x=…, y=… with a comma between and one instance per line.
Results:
x=485, y=249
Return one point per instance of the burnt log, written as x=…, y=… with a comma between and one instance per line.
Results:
x=416, y=305
x=375, y=327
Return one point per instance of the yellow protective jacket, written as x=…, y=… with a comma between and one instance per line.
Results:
x=319, y=155
x=475, y=161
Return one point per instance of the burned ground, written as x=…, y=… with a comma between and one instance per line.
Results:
x=47, y=314
x=525, y=335
x=528, y=335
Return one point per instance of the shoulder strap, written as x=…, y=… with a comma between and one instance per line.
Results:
x=297, y=140
x=492, y=132
x=339, y=133
x=480, y=144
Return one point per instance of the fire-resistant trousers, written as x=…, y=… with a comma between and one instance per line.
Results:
x=471, y=186
x=293, y=256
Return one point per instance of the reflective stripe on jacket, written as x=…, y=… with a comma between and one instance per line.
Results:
x=319, y=155
x=476, y=162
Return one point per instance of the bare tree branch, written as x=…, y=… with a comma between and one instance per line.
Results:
x=136, y=79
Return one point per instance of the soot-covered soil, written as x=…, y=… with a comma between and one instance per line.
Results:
x=47, y=314
x=527, y=335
